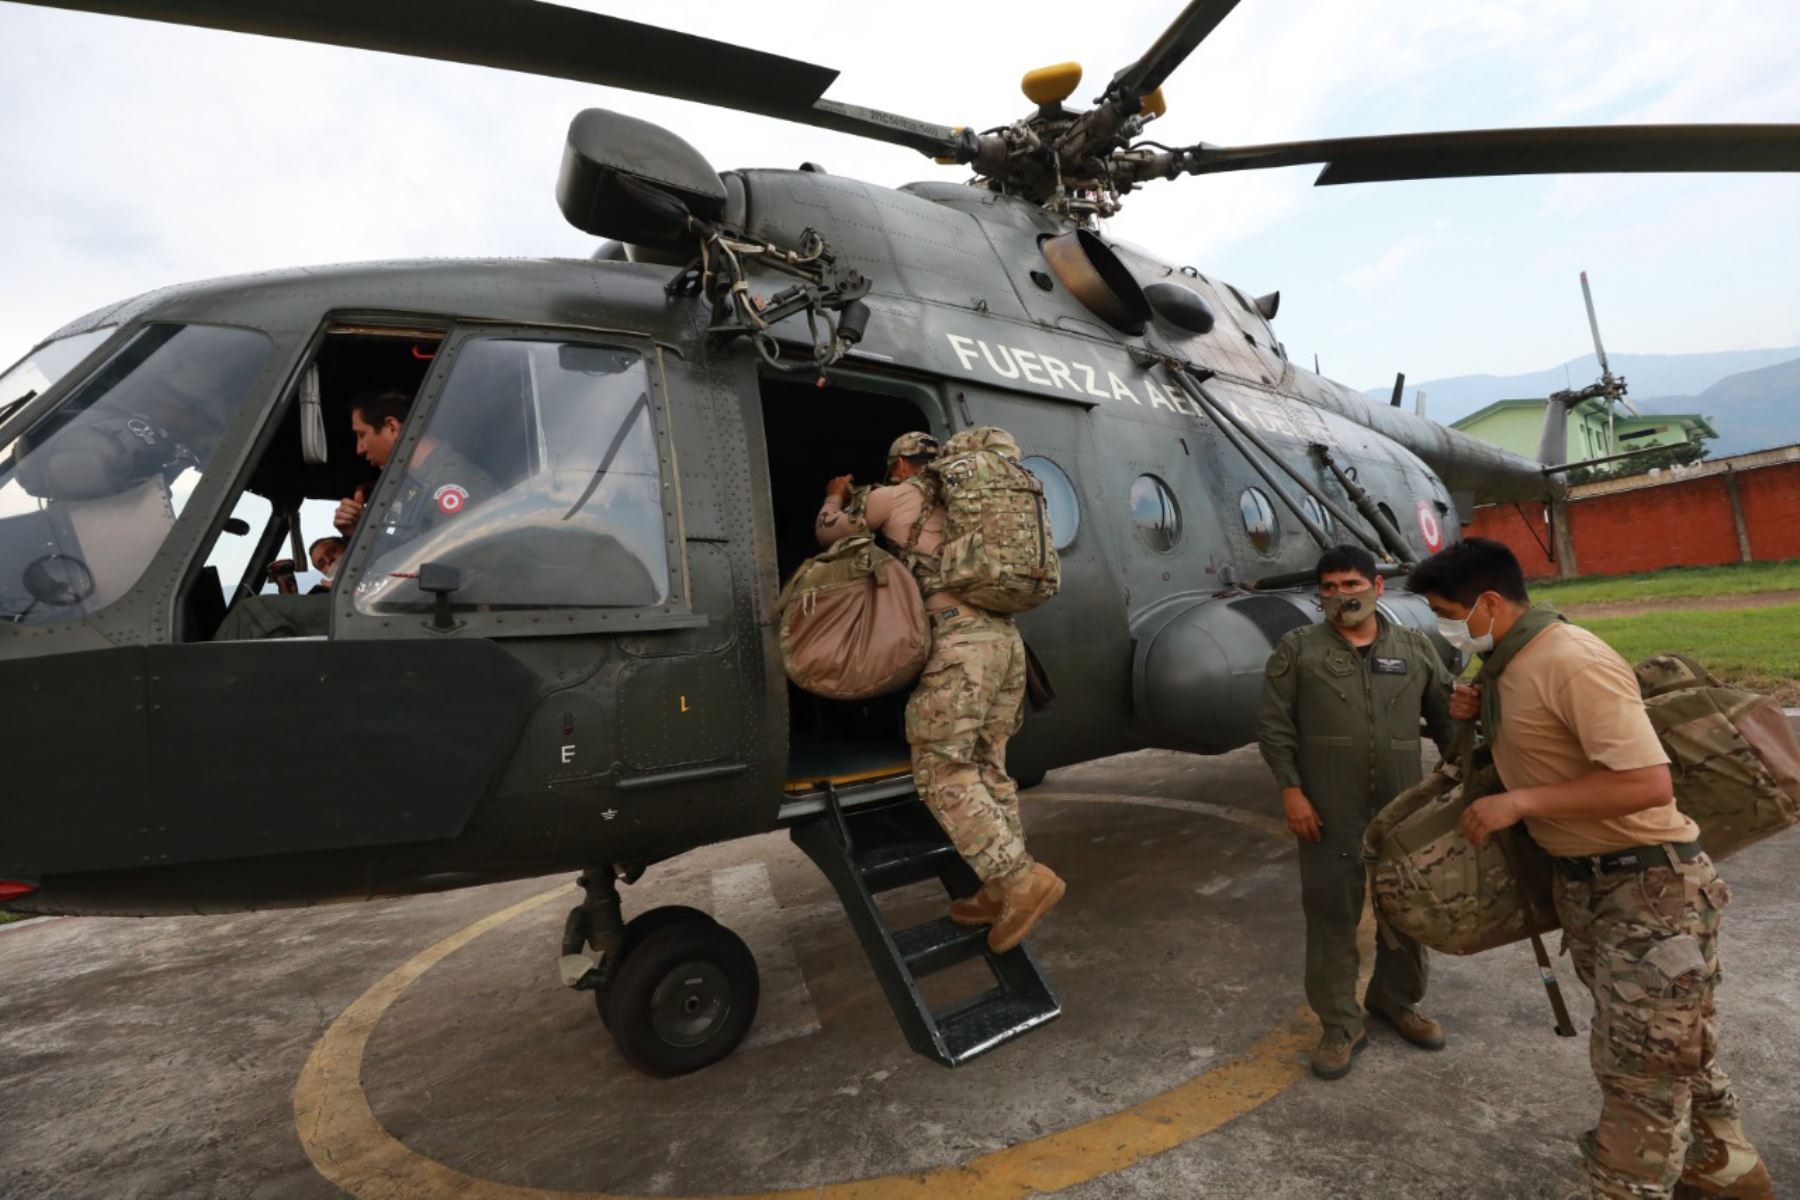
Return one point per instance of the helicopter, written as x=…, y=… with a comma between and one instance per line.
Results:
x=562, y=654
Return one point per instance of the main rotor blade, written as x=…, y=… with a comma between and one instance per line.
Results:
x=939, y=141
x=1571, y=149
x=1184, y=33
x=511, y=35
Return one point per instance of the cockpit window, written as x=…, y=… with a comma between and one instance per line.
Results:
x=91, y=489
x=38, y=371
x=537, y=479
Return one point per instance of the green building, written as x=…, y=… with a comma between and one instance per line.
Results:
x=1517, y=424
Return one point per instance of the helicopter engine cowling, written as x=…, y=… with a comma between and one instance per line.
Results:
x=1197, y=669
x=636, y=182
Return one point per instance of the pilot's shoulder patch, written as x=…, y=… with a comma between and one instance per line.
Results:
x=1280, y=661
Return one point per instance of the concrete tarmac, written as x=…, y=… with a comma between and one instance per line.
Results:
x=399, y=1049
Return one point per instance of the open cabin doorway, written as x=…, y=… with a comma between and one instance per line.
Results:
x=815, y=434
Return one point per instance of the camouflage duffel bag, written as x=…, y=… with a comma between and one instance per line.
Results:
x=1732, y=754
x=1430, y=883
x=852, y=623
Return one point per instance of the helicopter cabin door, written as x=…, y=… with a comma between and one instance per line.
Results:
x=549, y=499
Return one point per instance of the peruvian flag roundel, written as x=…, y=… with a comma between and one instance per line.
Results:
x=450, y=498
x=1430, y=527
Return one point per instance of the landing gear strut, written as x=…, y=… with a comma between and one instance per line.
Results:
x=677, y=990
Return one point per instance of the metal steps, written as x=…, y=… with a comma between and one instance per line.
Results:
x=876, y=848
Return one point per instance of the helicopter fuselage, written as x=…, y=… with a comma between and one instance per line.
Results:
x=524, y=721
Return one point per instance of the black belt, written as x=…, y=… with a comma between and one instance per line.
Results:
x=1633, y=858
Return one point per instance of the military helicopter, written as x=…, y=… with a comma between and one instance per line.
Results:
x=549, y=644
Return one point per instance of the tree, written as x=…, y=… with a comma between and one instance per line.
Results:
x=1683, y=454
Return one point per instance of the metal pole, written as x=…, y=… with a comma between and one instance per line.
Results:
x=1231, y=430
x=1365, y=504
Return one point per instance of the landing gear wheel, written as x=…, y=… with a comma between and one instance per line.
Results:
x=636, y=930
x=683, y=998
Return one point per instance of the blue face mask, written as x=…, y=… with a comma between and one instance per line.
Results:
x=1458, y=635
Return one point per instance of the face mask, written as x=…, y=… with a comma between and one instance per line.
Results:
x=1458, y=635
x=1348, y=611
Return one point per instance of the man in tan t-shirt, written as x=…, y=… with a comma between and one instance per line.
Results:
x=1638, y=899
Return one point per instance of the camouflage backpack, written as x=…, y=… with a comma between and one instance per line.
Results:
x=1433, y=884
x=997, y=551
x=1732, y=754
x=1735, y=767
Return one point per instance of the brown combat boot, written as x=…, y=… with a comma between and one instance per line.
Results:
x=1753, y=1184
x=1022, y=904
x=1414, y=1026
x=983, y=908
x=1335, y=1054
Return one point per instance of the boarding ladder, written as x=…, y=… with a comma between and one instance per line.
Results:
x=873, y=848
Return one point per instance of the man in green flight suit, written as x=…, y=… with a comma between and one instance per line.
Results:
x=440, y=480
x=1339, y=727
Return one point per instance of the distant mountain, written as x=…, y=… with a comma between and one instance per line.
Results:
x=1752, y=410
x=1666, y=377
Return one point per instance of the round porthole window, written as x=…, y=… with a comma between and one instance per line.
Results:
x=1059, y=499
x=1316, y=513
x=1259, y=520
x=1155, y=513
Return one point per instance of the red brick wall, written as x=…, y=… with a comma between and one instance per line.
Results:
x=1685, y=524
x=1680, y=523
x=1515, y=527
x=1771, y=501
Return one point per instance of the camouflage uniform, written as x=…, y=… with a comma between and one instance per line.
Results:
x=1646, y=944
x=1344, y=727
x=969, y=701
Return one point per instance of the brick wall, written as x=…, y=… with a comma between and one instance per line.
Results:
x=1681, y=522
x=1771, y=503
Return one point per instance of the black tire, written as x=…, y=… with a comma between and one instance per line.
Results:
x=683, y=998
x=636, y=930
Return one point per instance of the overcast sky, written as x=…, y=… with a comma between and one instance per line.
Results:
x=134, y=155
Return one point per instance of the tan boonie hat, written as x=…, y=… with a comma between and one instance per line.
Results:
x=911, y=445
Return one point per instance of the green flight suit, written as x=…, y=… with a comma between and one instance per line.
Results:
x=1343, y=726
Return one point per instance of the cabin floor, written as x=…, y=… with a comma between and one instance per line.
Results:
x=424, y=1047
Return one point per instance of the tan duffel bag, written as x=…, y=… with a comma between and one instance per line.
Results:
x=852, y=623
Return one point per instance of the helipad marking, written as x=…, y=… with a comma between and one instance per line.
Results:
x=349, y=1146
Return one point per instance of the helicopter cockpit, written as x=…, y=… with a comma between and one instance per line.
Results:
x=90, y=490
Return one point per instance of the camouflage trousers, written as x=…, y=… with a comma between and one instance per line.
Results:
x=1646, y=945
x=969, y=701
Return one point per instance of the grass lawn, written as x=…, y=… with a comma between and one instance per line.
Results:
x=1757, y=648
x=10, y=916
x=1735, y=580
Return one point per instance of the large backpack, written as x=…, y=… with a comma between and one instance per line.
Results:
x=1434, y=885
x=852, y=623
x=1732, y=753
x=998, y=553
x=1734, y=763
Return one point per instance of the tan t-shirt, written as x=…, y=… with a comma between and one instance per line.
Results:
x=1568, y=705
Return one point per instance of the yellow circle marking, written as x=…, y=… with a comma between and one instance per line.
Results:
x=350, y=1147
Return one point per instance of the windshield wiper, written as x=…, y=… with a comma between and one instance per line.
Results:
x=7, y=410
x=606, y=460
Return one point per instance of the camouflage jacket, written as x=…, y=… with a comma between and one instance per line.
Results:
x=1344, y=726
